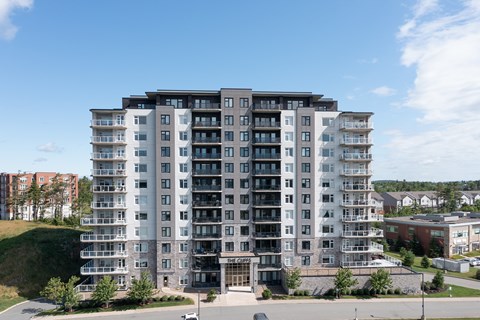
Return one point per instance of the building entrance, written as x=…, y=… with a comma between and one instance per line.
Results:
x=237, y=275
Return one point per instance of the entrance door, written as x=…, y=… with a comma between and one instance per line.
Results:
x=165, y=281
x=237, y=281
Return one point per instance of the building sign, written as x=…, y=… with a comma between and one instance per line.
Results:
x=240, y=260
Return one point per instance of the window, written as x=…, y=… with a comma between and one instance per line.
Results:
x=141, y=263
x=244, y=167
x=328, y=183
x=183, y=263
x=305, y=245
x=244, y=230
x=411, y=231
x=139, y=167
x=327, y=244
x=244, y=183
x=328, y=167
x=183, y=152
x=244, y=136
x=228, y=152
x=328, y=213
x=165, y=119
x=288, y=261
x=305, y=198
x=140, y=152
x=165, y=151
x=328, y=259
x=289, y=152
x=244, y=199
x=165, y=135
x=289, y=136
x=305, y=136
x=183, y=215
x=228, y=102
x=244, y=120
x=305, y=151
x=305, y=260
x=394, y=229
x=177, y=103
x=184, y=231
x=229, y=199
x=140, y=184
x=327, y=197
x=184, y=199
x=306, y=183
x=141, y=216
x=183, y=280
x=288, y=183
x=183, y=247
x=228, y=120
x=306, y=229
x=166, y=263
x=289, y=121
x=140, y=136
x=288, y=167
x=183, y=183
x=305, y=167
x=166, y=248
x=288, y=245
x=244, y=152
x=327, y=153
x=289, y=214
x=140, y=247
x=436, y=233
x=328, y=137
x=183, y=167
x=140, y=120
x=305, y=120
x=228, y=214
x=228, y=183
x=165, y=183
x=244, y=246
x=229, y=167
x=165, y=167
x=244, y=215
x=166, y=199
x=476, y=230
x=243, y=102
x=306, y=214
x=229, y=231
x=166, y=232
x=327, y=122
x=288, y=229
x=289, y=198
x=183, y=119
x=327, y=228
x=166, y=215
x=294, y=104
x=183, y=135
x=229, y=246
x=228, y=136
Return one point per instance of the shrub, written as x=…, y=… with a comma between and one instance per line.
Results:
x=212, y=295
x=267, y=294
x=366, y=291
x=373, y=292
x=403, y=252
x=384, y=292
x=348, y=291
x=427, y=286
x=306, y=293
x=164, y=298
x=478, y=274
x=408, y=259
x=438, y=280
x=425, y=262
x=330, y=292
x=179, y=298
x=171, y=298
x=297, y=293
x=398, y=291
x=390, y=291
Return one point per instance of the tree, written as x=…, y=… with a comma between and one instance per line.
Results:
x=293, y=279
x=104, y=291
x=408, y=259
x=70, y=297
x=425, y=262
x=380, y=280
x=435, y=249
x=438, y=280
x=34, y=196
x=54, y=290
x=416, y=246
x=81, y=204
x=449, y=196
x=344, y=280
x=142, y=289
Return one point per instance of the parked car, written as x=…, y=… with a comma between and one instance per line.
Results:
x=190, y=316
x=473, y=262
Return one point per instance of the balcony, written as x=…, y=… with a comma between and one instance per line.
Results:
x=207, y=156
x=266, y=172
x=360, y=157
x=267, y=250
x=107, y=156
x=269, y=266
x=108, y=173
x=206, y=106
x=209, y=220
x=108, y=123
x=108, y=140
x=205, y=252
x=356, y=141
x=90, y=254
x=266, y=156
x=207, y=188
x=267, y=219
x=207, y=124
x=108, y=205
x=357, y=203
x=263, y=235
x=266, y=187
x=356, y=125
x=103, y=270
x=201, y=140
x=266, y=107
x=206, y=172
x=108, y=189
x=89, y=221
x=372, y=248
x=267, y=203
x=266, y=125
x=215, y=235
x=271, y=140
x=91, y=237
x=356, y=172
x=206, y=268
x=371, y=217
x=356, y=187
x=207, y=203
x=371, y=233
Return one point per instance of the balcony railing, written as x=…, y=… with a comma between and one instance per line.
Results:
x=269, y=266
x=267, y=156
x=266, y=124
x=372, y=233
x=210, y=105
x=103, y=270
x=102, y=221
x=92, y=237
x=371, y=217
x=356, y=172
x=216, y=235
x=207, y=203
x=108, y=123
x=357, y=187
x=267, y=219
x=356, y=125
x=107, y=139
x=207, y=188
x=267, y=250
x=356, y=141
x=357, y=203
x=267, y=171
x=373, y=247
x=207, y=171
x=206, y=219
x=91, y=287
x=267, y=140
x=270, y=106
x=276, y=234
x=109, y=172
x=356, y=157
x=207, y=124
x=206, y=140
x=266, y=187
x=107, y=156
x=89, y=254
x=103, y=188
x=207, y=156
x=267, y=203
x=108, y=205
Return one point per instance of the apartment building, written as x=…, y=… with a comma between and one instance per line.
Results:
x=225, y=188
x=14, y=202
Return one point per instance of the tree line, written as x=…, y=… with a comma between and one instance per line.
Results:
x=398, y=186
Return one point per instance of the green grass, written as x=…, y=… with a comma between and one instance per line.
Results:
x=473, y=254
x=457, y=292
x=6, y=303
x=155, y=304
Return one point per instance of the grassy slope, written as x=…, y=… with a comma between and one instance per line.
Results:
x=31, y=253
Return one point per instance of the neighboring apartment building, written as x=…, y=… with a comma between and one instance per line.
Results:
x=225, y=188
x=14, y=185
x=457, y=233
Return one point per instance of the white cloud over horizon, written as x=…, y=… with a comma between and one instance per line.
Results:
x=50, y=147
x=7, y=29
x=383, y=91
x=442, y=44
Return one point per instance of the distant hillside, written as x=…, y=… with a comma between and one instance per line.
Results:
x=31, y=253
x=396, y=185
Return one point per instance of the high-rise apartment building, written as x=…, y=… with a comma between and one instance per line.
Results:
x=225, y=188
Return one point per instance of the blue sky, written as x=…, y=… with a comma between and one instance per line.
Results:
x=415, y=64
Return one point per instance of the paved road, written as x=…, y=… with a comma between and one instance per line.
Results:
x=456, y=281
x=26, y=310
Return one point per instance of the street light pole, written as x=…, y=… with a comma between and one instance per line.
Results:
x=423, y=297
x=198, y=302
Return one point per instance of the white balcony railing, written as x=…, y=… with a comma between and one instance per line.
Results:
x=356, y=156
x=356, y=172
x=108, y=205
x=107, y=123
x=107, y=139
x=356, y=141
x=370, y=233
x=90, y=254
x=107, y=156
x=359, y=125
x=102, y=221
x=373, y=247
x=371, y=217
x=357, y=203
x=103, y=270
x=92, y=237
x=104, y=188
x=109, y=172
x=357, y=187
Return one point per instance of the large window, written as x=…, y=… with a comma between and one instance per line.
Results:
x=140, y=120
x=140, y=136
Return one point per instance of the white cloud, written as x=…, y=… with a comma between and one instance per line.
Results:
x=40, y=160
x=383, y=91
x=7, y=29
x=50, y=147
